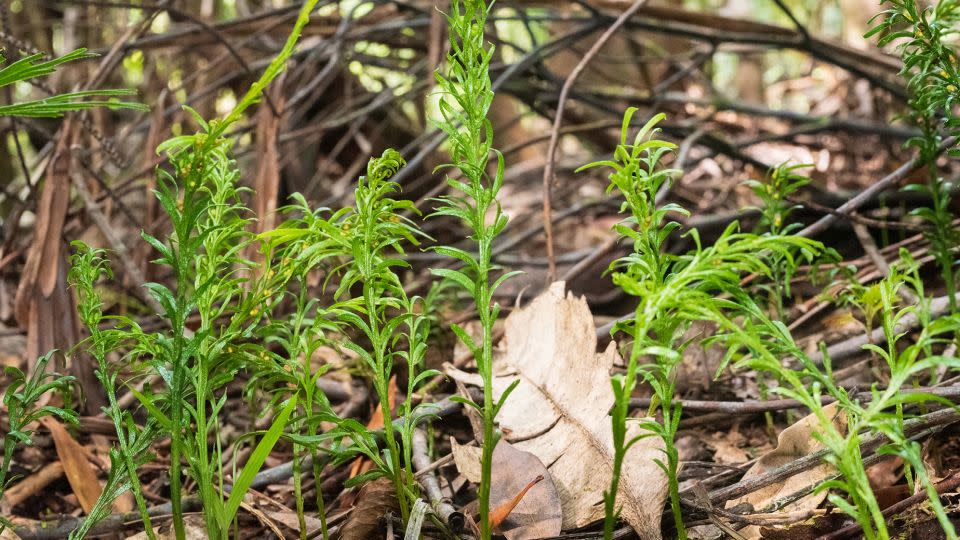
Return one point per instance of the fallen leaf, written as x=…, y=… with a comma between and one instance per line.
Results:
x=793, y=443
x=80, y=473
x=559, y=412
x=500, y=512
x=728, y=447
x=289, y=518
x=375, y=500
x=885, y=473
x=842, y=323
x=728, y=454
x=193, y=527
x=526, y=511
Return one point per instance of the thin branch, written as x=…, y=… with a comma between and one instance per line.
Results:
x=548, y=171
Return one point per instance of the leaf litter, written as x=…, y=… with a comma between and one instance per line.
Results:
x=559, y=412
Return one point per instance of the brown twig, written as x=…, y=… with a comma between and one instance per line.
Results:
x=755, y=407
x=548, y=170
x=868, y=194
x=441, y=505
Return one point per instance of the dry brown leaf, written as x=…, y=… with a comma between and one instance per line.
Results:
x=289, y=518
x=375, y=500
x=885, y=473
x=193, y=525
x=793, y=443
x=538, y=512
x=266, y=184
x=80, y=473
x=41, y=304
x=559, y=412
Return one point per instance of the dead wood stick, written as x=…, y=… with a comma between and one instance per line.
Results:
x=868, y=194
x=60, y=529
x=719, y=496
x=31, y=485
x=757, y=406
x=548, y=170
x=853, y=346
x=441, y=505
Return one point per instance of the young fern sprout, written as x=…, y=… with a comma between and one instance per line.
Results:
x=21, y=398
x=195, y=365
x=775, y=209
x=212, y=280
x=370, y=239
x=87, y=266
x=672, y=293
x=774, y=191
x=466, y=95
x=927, y=44
x=299, y=336
x=841, y=430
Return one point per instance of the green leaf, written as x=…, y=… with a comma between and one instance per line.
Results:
x=256, y=459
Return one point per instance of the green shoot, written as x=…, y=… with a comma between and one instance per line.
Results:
x=672, y=293
x=21, y=399
x=214, y=281
x=87, y=266
x=31, y=67
x=369, y=239
x=933, y=82
x=466, y=95
x=767, y=342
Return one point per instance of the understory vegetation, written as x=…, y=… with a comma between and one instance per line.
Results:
x=264, y=313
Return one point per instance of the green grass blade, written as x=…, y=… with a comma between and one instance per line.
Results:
x=259, y=455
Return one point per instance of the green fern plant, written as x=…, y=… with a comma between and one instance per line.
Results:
x=926, y=39
x=32, y=67
x=23, y=392
x=21, y=398
x=366, y=243
x=133, y=444
x=672, y=292
x=213, y=280
x=466, y=95
x=298, y=336
x=775, y=208
x=767, y=342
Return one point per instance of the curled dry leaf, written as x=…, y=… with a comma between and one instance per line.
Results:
x=793, y=443
x=376, y=499
x=522, y=506
x=80, y=473
x=559, y=412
